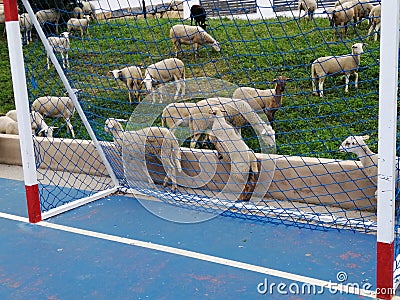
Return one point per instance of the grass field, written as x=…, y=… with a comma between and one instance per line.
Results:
x=253, y=54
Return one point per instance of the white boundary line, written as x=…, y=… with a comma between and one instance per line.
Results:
x=340, y=288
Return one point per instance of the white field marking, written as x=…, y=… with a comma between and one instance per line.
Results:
x=204, y=257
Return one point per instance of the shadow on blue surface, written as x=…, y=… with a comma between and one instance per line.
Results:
x=44, y=263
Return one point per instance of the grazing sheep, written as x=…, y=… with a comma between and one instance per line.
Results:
x=26, y=26
x=176, y=113
x=231, y=147
x=81, y=25
x=38, y=125
x=8, y=125
x=309, y=7
x=238, y=113
x=363, y=9
x=56, y=107
x=343, y=14
x=60, y=44
x=198, y=13
x=375, y=16
x=77, y=13
x=48, y=16
x=164, y=71
x=132, y=77
x=269, y=100
x=88, y=9
x=191, y=35
x=335, y=65
x=157, y=141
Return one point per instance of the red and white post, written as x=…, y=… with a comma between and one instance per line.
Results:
x=387, y=130
x=22, y=106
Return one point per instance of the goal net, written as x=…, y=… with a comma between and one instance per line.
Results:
x=247, y=136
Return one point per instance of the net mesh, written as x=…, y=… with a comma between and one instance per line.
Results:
x=265, y=59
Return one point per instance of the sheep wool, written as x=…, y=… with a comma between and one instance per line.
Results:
x=335, y=65
x=191, y=35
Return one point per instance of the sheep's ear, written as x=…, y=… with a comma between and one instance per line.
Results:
x=365, y=137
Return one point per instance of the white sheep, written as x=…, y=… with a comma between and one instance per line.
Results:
x=363, y=9
x=191, y=35
x=164, y=71
x=51, y=15
x=132, y=77
x=38, y=125
x=232, y=148
x=335, y=65
x=269, y=100
x=56, y=107
x=375, y=17
x=343, y=14
x=157, y=141
x=61, y=45
x=368, y=159
x=175, y=114
x=309, y=7
x=89, y=9
x=26, y=26
x=8, y=125
x=81, y=25
x=238, y=113
x=77, y=12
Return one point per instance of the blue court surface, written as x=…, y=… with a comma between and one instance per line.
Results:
x=115, y=249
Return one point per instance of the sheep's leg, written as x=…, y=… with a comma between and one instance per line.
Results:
x=48, y=63
x=356, y=80
x=63, y=59
x=314, y=88
x=321, y=86
x=346, y=76
x=377, y=28
x=66, y=59
x=70, y=127
x=194, y=140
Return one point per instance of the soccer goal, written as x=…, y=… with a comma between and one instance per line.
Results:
x=253, y=123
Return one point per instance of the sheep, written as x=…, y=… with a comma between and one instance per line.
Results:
x=77, y=12
x=60, y=44
x=343, y=14
x=368, y=159
x=309, y=7
x=269, y=100
x=175, y=114
x=88, y=9
x=8, y=125
x=198, y=13
x=37, y=122
x=132, y=77
x=157, y=141
x=56, y=107
x=51, y=15
x=26, y=26
x=191, y=35
x=363, y=9
x=238, y=113
x=344, y=64
x=164, y=71
x=231, y=147
x=82, y=25
x=375, y=16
